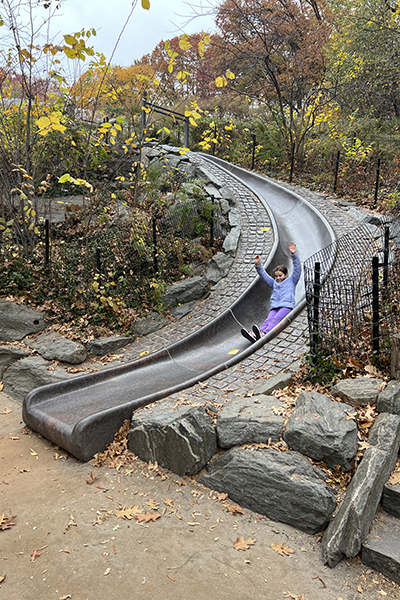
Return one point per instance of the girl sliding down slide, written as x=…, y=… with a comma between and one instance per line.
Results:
x=282, y=300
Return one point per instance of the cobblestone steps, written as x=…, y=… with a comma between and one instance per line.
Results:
x=381, y=549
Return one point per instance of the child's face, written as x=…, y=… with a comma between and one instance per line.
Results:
x=279, y=276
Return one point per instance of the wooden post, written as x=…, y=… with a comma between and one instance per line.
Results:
x=395, y=359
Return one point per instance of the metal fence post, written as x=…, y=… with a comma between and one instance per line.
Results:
x=155, y=255
x=98, y=259
x=291, y=163
x=213, y=142
x=254, y=151
x=375, y=305
x=186, y=132
x=378, y=170
x=336, y=170
x=315, y=320
x=386, y=258
x=47, y=243
x=212, y=229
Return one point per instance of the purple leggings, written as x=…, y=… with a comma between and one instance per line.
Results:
x=275, y=315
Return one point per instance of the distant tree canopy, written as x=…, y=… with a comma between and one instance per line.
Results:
x=364, y=55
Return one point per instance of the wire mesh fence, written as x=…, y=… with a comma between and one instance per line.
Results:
x=128, y=258
x=353, y=293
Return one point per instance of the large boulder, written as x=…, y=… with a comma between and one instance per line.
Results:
x=217, y=267
x=180, y=438
x=153, y=322
x=283, y=486
x=29, y=373
x=234, y=218
x=106, y=345
x=249, y=420
x=231, y=242
x=362, y=391
x=389, y=399
x=185, y=290
x=18, y=321
x=9, y=354
x=276, y=382
x=322, y=429
x=351, y=524
x=54, y=346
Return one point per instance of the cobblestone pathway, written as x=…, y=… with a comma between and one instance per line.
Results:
x=282, y=350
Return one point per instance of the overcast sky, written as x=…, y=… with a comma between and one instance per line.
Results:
x=144, y=30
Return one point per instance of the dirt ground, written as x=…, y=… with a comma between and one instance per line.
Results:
x=68, y=539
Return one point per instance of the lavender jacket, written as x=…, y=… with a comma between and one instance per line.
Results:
x=282, y=293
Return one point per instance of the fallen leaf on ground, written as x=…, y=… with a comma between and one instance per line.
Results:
x=171, y=578
x=221, y=497
x=35, y=554
x=235, y=509
x=2, y=578
x=281, y=549
x=106, y=572
x=127, y=513
x=91, y=479
x=7, y=522
x=359, y=589
x=240, y=544
x=65, y=597
x=71, y=523
x=146, y=517
x=6, y=411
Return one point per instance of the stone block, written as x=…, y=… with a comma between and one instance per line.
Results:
x=249, y=420
x=351, y=524
x=276, y=382
x=29, y=373
x=323, y=430
x=381, y=549
x=18, y=321
x=389, y=399
x=180, y=438
x=362, y=391
x=53, y=346
x=283, y=486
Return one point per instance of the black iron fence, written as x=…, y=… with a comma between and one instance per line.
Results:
x=353, y=293
x=126, y=258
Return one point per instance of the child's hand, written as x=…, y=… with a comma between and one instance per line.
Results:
x=292, y=248
x=257, y=260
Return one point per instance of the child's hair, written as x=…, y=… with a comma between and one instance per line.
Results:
x=282, y=269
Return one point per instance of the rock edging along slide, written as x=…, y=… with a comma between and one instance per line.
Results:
x=83, y=414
